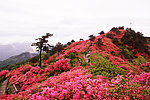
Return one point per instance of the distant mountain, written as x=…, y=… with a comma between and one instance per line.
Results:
x=17, y=59
x=9, y=50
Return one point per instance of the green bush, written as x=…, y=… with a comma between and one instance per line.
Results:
x=34, y=59
x=127, y=54
x=110, y=35
x=73, y=57
x=99, y=42
x=1, y=80
x=145, y=68
x=140, y=60
x=136, y=40
x=116, y=41
x=103, y=67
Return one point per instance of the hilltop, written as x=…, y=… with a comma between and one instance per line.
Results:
x=113, y=65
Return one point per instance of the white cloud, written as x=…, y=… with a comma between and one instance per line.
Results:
x=25, y=20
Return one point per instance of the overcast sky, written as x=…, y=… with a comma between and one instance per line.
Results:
x=25, y=20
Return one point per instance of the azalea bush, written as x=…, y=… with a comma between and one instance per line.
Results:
x=110, y=35
x=126, y=52
x=25, y=76
x=73, y=56
x=3, y=76
x=145, y=67
x=3, y=73
x=131, y=87
x=50, y=60
x=79, y=84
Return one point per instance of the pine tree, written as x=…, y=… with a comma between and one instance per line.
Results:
x=42, y=44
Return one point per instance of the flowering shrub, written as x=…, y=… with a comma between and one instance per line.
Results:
x=71, y=51
x=116, y=60
x=145, y=67
x=58, y=67
x=131, y=87
x=25, y=76
x=62, y=65
x=3, y=73
x=78, y=84
x=73, y=58
x=50, y=60
x=35, y=69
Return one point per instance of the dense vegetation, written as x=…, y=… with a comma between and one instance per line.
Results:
x=108, y=66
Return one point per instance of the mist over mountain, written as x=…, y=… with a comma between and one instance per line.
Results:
x=17, y=58
x=9, y=50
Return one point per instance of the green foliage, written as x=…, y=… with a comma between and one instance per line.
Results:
x=102, y=32
x=73, y=57
x=140, y=60
x=116, y=41
x=8, y=89
x=34, y=59
x=2, y=79
x=110, y=35
x=136, y=40
x=42, y=45
x=145, y=68
x=45, y=56
x=14, y=66
x=103, y=67
x=125, y=51
x=57, y=48
x=114, y=29
x=99, y=42
x=52, y=60
x=92, y=38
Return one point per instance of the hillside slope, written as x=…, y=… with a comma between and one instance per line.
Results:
x=9, y=50
x=17, y=59
x=114, y=65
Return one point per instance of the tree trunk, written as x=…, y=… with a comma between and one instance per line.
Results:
x=40, y=57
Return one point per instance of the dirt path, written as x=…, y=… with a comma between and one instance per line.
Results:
x=3, y=87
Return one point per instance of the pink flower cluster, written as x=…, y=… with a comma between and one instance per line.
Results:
x=143, y=79
x=3, y=73
x=78, y=84
x=110, y=47
x=130, y=87
x=116, y=60
x=147, y=65
x=49, y=59
x=61, y=65
x=35, y=69
x=25, y=76
x=71, y=51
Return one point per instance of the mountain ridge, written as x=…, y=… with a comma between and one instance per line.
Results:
x=17, y=59
x=9, y=50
